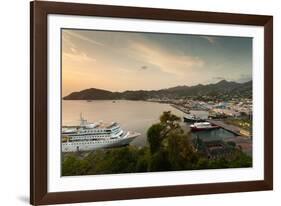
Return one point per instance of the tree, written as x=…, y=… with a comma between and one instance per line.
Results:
x=180, y=151
x=169, y=144
x=143, y=160
x=117, y=160
x=72, y=165
x=159, y=161
x=218, y=163
x=158, y=132
x=169, y=120
x=240, y=160
x=202, y=163
x=175, y=149
x=154, y=137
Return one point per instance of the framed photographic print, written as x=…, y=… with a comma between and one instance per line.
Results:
x=133, y=102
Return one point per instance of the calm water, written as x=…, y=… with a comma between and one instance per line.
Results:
x=131, y=115
x=213, y=134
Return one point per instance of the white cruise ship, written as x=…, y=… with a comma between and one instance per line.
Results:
x=92, y=136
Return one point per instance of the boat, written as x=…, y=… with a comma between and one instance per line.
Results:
x=203, y=126
x=93, y=136
x=191, y=118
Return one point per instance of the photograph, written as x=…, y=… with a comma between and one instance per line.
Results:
x=136, y=102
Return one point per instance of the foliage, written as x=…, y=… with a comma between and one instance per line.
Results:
x=73, y=166
x=159, y=161
x=119, y=160
x=154, y=137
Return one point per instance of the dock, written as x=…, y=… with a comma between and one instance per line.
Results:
x=231, y=128
x=182, y=109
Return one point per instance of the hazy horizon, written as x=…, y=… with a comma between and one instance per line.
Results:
x=120, y=61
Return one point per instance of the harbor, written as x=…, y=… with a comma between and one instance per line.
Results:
x=219, y=135
x=207, y=118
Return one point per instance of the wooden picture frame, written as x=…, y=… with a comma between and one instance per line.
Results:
x=38, y=102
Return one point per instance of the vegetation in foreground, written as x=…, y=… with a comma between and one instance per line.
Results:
x=169, y=149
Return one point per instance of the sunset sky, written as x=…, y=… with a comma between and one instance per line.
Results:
x=119, y=61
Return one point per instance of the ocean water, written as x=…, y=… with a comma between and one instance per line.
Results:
x=135, y=116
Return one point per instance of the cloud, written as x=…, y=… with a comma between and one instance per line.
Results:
x=82, y=37
x=211, y=40
x=79, y=57
x=71, y=51
x=165, y=60
x=143, y=67
x=75, y=55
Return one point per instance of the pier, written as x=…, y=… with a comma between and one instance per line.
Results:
x=182, y=109
x=231, y=128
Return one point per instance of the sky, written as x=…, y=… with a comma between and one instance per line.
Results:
x=119, y=61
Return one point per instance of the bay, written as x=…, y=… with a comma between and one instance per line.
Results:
x=135, y=116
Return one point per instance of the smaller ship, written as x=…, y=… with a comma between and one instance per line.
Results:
x=203, y=126
x=191, y=118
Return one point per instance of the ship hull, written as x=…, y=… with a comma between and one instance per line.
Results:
x=202, y=129
x=186, y=119
x=71, y=147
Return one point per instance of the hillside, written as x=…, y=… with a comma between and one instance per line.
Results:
x=221, y=88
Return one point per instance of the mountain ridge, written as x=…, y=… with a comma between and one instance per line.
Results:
x=222, y=87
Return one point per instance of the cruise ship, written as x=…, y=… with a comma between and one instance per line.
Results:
x=92, y=136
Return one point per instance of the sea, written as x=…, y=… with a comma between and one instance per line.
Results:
x=135, y=116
